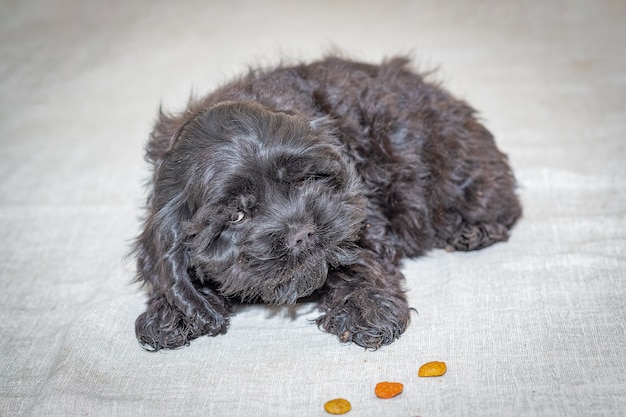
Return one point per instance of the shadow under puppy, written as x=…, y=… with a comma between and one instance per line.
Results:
x=313, y=177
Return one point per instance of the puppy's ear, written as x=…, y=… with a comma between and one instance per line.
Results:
x=164, y=130
x=167, y=129
x=177, y=311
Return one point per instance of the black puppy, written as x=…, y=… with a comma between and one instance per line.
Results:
x=316, y=177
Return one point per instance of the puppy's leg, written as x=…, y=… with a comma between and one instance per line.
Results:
x=484, y=215
x=177, y=311
x=365, y=303
x=478, y=205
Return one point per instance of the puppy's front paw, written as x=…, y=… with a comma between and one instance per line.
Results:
x=163, y=326
x=369, y=320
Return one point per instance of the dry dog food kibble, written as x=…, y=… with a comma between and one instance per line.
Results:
x=432, y=369
x=337, y=406
x=386, y=390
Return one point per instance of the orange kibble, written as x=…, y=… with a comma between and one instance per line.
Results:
x=337, y=406
x=432, y=369
x=386, y=390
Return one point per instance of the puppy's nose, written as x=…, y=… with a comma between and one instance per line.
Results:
x=300, y=237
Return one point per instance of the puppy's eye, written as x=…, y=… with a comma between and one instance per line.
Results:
x=237, y=217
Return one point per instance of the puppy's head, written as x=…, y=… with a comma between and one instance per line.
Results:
x=266, y=201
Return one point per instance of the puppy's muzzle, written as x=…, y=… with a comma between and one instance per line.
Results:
x=300, y=238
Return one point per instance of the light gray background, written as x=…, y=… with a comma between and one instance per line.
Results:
x=532, y=327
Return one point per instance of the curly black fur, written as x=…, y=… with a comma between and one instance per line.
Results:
x=313, y=178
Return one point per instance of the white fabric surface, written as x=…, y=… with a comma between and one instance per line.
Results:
x=532, y=327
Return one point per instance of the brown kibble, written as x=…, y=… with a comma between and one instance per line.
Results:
x=387, y=390
x=337, y=406
x=432, y=369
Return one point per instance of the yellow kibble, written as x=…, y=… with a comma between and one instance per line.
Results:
x=337, y=406
x=432, y=369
